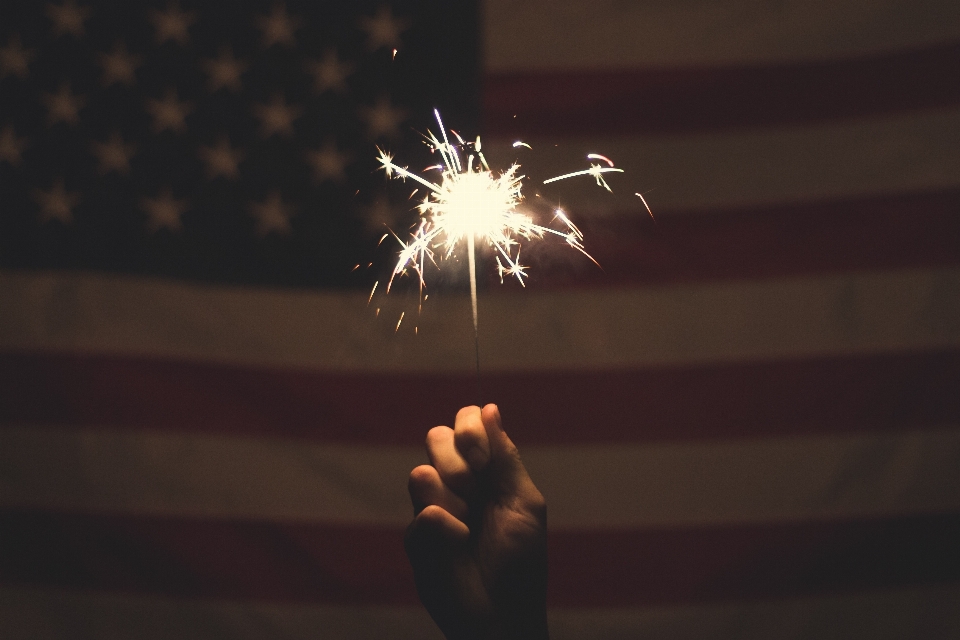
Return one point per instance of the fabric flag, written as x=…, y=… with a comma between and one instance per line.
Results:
x=746, y=422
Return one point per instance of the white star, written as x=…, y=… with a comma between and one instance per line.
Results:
x=330, y=73
x=68, y=17
x=383, y=30
x=278, y=27
x=222, y=160
x=328, y=163
x=14, y=59
x=11, y=147
x=119, y=66
x=164, y=211
x=63, y=106
x=380, y=215
x=114, y=154
x=169, y=113
x=382, y=119
x=277, y=116
x=224, y=71
x=272, y=215
x=172, y=24
x=57, y=203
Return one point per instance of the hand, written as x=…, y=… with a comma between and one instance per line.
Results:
x=478, y=541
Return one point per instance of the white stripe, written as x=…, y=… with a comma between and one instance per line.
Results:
x=571, y=330
x=865, y=157
x=929, y=613
x=587, y=487
x=769, y=480
x=524, y=35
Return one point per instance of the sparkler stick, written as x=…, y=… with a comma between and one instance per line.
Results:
x=471, y=202
x=471, y=253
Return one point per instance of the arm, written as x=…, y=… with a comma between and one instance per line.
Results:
x=478, y=539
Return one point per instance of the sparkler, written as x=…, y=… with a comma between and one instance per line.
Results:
x=471, y=203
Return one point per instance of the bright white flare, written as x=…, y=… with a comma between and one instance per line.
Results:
x=471, y=202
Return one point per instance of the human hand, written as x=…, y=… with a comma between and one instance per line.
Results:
x=478, y=541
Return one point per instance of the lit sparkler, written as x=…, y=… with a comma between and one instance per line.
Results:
x=471, y=203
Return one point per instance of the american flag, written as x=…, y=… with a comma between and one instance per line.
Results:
x=746, y=425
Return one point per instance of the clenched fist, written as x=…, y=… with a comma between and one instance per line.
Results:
x=477, y=542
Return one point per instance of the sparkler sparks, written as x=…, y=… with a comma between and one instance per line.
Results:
x=471, y=203
x=595, y=170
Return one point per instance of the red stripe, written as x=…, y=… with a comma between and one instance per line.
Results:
x=638, y=101
x=752, y=562
x=828, y=395
x=882, y=232
x=205, y=558
x=292, y=562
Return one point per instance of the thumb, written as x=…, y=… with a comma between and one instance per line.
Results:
x=507, y=473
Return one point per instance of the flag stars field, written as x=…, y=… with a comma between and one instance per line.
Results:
x=174, y=112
